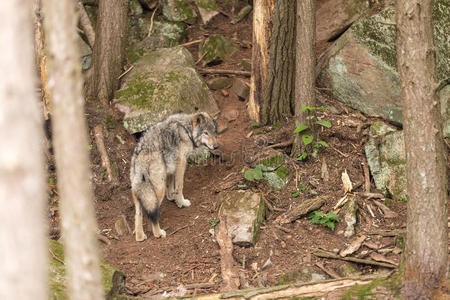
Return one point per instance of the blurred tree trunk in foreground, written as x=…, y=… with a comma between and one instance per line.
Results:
x=23, y=253
x=305, y=70
x=109, y=50
x=426, y=238
x=71, y=152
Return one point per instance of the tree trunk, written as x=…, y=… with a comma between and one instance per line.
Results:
x=23, y=253
x=426, y=243
x=262, y=16
x=71, y=152
x=305, y=70
x=278, y=91
x=109, y=49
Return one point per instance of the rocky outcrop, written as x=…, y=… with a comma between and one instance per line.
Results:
x=360, y=69
x=162, y=83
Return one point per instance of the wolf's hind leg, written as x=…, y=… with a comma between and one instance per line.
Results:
x=171, y=191
x=157, y=231
x=138, y=227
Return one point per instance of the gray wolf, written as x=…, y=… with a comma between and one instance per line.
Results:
x=159, y=161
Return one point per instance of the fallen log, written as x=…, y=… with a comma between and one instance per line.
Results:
x=229, y=275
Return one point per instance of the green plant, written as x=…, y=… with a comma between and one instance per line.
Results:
x=308, y=139
x=214, y=222
x=253, y=174
x=403, y=199
x=318, y=217
x=295, y=194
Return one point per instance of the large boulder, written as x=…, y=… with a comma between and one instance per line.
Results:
x=385, y=153
x=243, y=212
x=113, y=278
x=216, y=48
x=360, y=69
x=335, y=16
x=162, y=83
x=274, y=170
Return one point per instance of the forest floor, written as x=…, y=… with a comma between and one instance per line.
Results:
x=189, y=254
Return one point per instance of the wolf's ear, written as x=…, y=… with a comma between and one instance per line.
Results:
x=198, y=119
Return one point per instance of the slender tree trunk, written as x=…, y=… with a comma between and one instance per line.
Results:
x=262, y=16
x=23, y=251
x=71, y=152
x=426, y=241
x=305, y=69
x=109, y=49
x=86, y=25
x=278, y=95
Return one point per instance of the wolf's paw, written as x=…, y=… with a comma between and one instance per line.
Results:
x=171, y=196
x=141, y=237
x=161, y=234
x=184, y=203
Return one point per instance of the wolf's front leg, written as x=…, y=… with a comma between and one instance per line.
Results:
x=179, y=178
x=138, y=227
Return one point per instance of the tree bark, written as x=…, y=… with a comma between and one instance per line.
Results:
x=262, y=16
x=305, y=69
x=23, y=253
x=109, y=50
x=426, y=243
x=71, y=152
x=278, y=91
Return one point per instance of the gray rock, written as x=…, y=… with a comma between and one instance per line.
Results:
x=300, y=276
x=162, y=83
x=242, y=14
x=246, y=64
x=219, y=83
x=216, y=48
x=243, y=211
x=385, y=153
x=240, y=88
x=208, y=9
x=360, y=69
x=122, y=227
x=178, y=10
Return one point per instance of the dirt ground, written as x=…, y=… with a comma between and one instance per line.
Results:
x=189, y=254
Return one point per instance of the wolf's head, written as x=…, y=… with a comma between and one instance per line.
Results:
x=204, y=129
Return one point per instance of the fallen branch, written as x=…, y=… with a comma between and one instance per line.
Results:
x=104, y=239
x=99, y=140
x=151, y=22
x=126, y=72
x=192, y=43
x=300, y=210
x=176, y=230
x=226, y=72
x=366, y=178
x=326, y=254
x=331, y=273
x=387, y=232
x=229, y=275
x=370, y=195
x=280, y=145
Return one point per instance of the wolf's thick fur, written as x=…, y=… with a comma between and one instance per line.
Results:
x=159, y=161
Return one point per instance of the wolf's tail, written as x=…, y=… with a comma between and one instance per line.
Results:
x=146, y=196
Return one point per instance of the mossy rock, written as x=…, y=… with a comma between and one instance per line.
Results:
x=274, y=171
x=219, y=83
x=244, y=212
x=387, y=161
x=361, y=68
x=113, y=279
x=178, y=10
x=162, y=83
x=216, y=48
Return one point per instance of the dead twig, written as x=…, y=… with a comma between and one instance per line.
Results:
x=370, y=195
x=176, y=230
x=126, y=72
x=280, y=145
x=192, y=42
x=366, y=178
x=283, y=229
x=331, y=273
x=224, y=72
x=55, y=257
x=151, y=22
x=340, y=152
